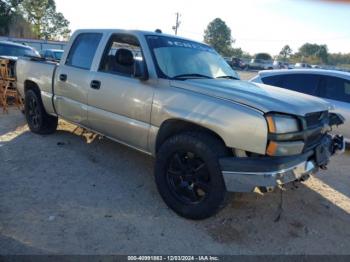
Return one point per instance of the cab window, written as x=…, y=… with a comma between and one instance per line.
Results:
x=83, y=50
x=120, y=55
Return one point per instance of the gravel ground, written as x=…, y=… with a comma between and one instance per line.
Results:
x=74, y=193
x=246, y=75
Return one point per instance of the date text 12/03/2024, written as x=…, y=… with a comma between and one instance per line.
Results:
x=173, y=258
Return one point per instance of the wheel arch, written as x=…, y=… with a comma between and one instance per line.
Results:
x=171, y=127
x=31, y=85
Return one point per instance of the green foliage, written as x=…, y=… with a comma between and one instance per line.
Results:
x=285, y=52
x=54, y=26
x=339, y=59
x=246, y=55
x=263, y=56
x=236, y=52
x=314, y=52
x=46, y=21
x=218, y=35
x=8, y=11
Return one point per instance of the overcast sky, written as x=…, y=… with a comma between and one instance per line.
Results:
x=257, y=25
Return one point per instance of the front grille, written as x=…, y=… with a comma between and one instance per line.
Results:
x=315, y=121
x=312, y=141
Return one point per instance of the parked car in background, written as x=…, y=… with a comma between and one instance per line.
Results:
x=51, y=54
x=277, y=65
x=302, y=65
x=237, y=63
x=260, y=64
x=12, y=51
x=331, y=85
x=286, y=65
x=280, y=65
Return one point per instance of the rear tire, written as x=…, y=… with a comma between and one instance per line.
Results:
x=188, y=175
x=38, y=120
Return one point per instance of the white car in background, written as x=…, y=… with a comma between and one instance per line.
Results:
x=331, y=85
x=260, y=64
x=281, y=65
x=302, y=65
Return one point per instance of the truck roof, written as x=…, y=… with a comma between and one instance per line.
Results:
x=135, y=32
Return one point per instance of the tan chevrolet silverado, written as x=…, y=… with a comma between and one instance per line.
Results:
x=179, y=101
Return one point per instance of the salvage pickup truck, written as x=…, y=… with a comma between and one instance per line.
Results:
x=179, y=101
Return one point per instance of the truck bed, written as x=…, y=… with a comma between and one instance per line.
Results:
x=39, y=71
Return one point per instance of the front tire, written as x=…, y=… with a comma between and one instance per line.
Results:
x=38, y=120
x=188, y=174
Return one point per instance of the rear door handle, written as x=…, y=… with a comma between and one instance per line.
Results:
x=63, y=77
x=95, y=84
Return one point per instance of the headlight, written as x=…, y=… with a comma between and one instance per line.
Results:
x=285, y=148
x=281, y=124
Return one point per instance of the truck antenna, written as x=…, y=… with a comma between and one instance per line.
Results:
x=178, y=22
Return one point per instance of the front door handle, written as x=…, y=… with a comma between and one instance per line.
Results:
x=63, y=77
x=95, y=84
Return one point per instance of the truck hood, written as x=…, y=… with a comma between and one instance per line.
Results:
x=259, y=96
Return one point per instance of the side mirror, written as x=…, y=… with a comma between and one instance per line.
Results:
x=140, y=70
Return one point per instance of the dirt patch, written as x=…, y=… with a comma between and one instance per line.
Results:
x=247, y=75
x=75, y=193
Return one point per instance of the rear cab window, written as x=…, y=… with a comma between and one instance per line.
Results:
x=83, y=50
x=303, y=83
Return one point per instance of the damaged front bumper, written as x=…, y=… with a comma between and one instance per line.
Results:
x=246, y=173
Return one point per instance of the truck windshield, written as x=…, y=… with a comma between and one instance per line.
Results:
x=17, y=51
x=180, y=59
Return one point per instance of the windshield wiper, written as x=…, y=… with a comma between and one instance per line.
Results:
x=187, y=76
x=228, y=77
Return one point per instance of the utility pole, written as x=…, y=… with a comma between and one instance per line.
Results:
x=178, y=22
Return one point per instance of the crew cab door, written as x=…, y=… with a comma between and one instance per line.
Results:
x=119, y=104
x=73, y=77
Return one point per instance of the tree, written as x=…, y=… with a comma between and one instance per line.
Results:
x=339, y=59
x=263, y=56
x=8, y=10
x=322, y=53
x=314, y=50
x=218, y=35
x=46, y=21
x=236, y=52
x=285, y=52
x=308, y=49
x=55, y=26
